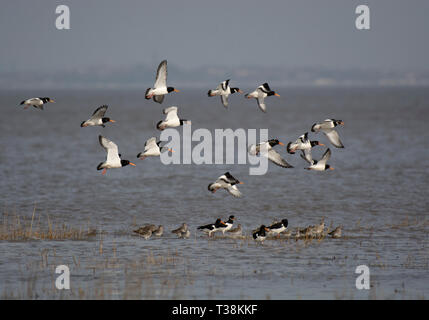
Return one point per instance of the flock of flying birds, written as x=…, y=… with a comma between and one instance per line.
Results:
x=153, y=148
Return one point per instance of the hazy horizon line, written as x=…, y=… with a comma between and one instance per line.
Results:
x=143, y=75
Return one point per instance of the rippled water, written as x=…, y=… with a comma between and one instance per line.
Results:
x=380, y=180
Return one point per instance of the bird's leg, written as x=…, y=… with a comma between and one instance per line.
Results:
x=104, y=171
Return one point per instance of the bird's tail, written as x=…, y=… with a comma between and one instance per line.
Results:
x=209, y=93
x=157, y=125
x=99, y=166
x=22, y=102
x=145, y=95
x=289, y=149
x=312, y=128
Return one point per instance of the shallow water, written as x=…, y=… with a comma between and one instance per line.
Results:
x=380, y=179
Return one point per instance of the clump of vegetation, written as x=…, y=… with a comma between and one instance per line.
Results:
x=16, y=228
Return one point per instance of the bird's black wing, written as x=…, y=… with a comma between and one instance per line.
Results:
x=207, y=226
x=266, y=86
x=231, y=178
x=100, y=111
x=277, y=225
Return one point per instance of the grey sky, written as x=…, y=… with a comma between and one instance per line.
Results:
x=189, y=34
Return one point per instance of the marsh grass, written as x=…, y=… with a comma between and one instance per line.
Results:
x=20, y=228
x=160, y=275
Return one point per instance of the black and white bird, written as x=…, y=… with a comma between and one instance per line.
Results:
x=160, y=88
x=278, y=227
x=227, y=182
x=321, y=165
x=113, y=159
x=171, y=119
x=224, y=90
x=212, y=227
x=228, y=224
x=307, y=156
x=97, y=118
x=260, y=94
x=266, y=149
x=152, y=148
x=327, y=127
x=302, y=143
x=36, y=102
x=260, y=235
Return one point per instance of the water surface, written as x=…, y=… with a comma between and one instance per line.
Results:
x=380, y=179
